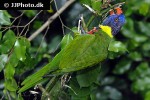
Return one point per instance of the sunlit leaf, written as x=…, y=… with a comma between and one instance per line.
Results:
x=144, y=8
x=117, y=46
x=20, y=50
x=3, y=60
x=4, y=18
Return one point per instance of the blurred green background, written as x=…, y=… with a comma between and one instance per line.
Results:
x=125, y=75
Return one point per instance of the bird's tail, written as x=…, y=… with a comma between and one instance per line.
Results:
x=38, y=76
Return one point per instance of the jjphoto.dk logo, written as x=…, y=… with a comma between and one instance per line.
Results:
x=22, y=5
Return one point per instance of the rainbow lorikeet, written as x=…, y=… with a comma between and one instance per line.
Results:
x=82, y=52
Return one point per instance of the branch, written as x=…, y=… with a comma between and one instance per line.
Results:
x=50, y=20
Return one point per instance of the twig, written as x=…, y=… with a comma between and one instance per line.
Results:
x=51, y=19
x=30, y=22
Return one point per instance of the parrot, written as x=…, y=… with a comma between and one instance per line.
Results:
x=84, y=51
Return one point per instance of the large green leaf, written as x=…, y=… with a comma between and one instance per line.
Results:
x=117, y=46
x=86, y=78
x=20, y=47
x=4, y=18
x=8, y=41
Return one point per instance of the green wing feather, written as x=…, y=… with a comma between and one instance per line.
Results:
x=85, y=51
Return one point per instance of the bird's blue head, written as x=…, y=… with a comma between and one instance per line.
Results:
x=115, y=21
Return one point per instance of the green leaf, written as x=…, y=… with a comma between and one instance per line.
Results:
x=109, y=93
x=146, y=46
x=8, y=41
x=20, y=47
x=9, y=71
x=136, y=56
x=20, y=51
x=37, y=24
x=13, y=60
x=140, y=38
x=75, y=31
x=10, y=84
x=107, y=80
x=122, y=66
x=77, y=91
x=30, y=13
x=27, y=64
x=144, y=8
x=3, y=60
x=86, y=78
x=113, y=93
x=117, y=46
x=144, y=27
x=66, y=40
x=141, y=71
x=141, y=84
x=132, y=45
x=88, y=2
x=96, y=5
x=147, y=96
x=4, y=18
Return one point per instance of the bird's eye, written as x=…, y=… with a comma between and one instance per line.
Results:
x=116, y=19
